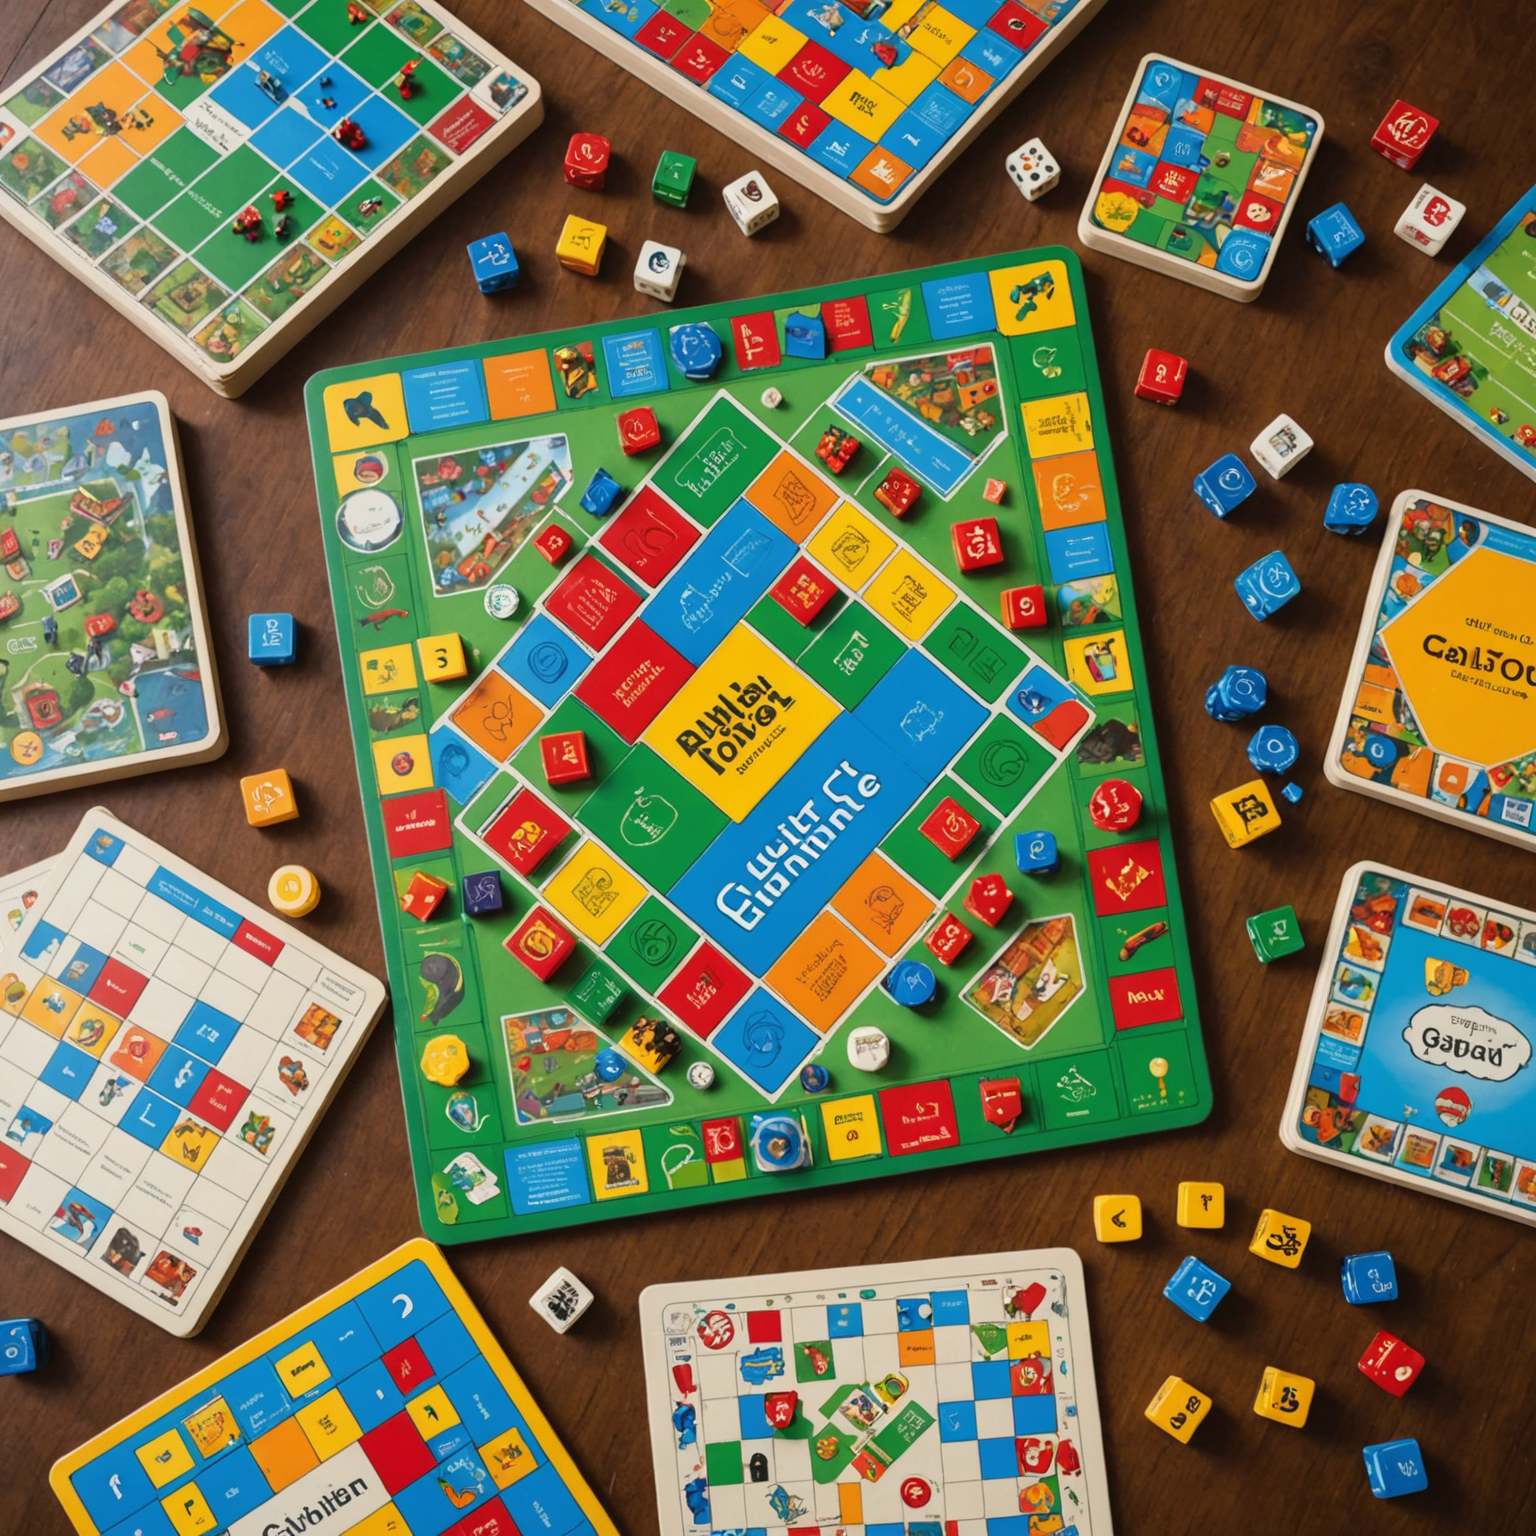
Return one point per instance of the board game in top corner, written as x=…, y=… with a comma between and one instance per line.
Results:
x=806, y=734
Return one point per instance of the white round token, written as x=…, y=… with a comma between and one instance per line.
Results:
x=868, y=1048
x=501, y=600
x=293, y=891
x=701, y=1075
x=772, y=398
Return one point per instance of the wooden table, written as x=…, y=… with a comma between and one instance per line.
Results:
x=1311, y=346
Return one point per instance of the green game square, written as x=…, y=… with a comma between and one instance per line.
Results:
x=774, y=622
x=1157, y=1073
x=678, y=1152
x=1145, y=228
x=1231, y=177
x=480, y=1087
x=903, y=1431
x=1184, y=243
x=234, y=260
x=441, y=973
x=715, y=462
x=898, y=319
x=1004, y=763
x=377, y=57
x=606, y=749
x=329, y=25
x=596, y=992
x=1166, y=208
x=651, y=945
x=980, y=654
x=854, y=653
x=1131, y=945
x=816, y=1360
x=1114, y=744
x=1048, y=364
x=168, y=171
x=722, y=1462
x=1222, y=134
x=651, y=816
x=910, y=851
x=291, y=8
x=365, y=224
x=214, y=199
x=1078, y=1090
x=692, y=13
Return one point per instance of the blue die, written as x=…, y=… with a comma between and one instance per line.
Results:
x=482, y=892
x=609, y=1065
x=805, y=336
x=1036, y=853
x=1395, y=1467
x=1369, y=1277
x=1236, y=694
x=495, y=263
x=271, y=640
x=1267, y=585
x=1335, y=233
x=600, y=494
x=1273, y=749
x=23, y=1346
x=1225, y=485
x=1351, y=508
x=1195, y=1289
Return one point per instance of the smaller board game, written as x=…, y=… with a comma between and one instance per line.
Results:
x=1415, y=1060
x=138, y=152
x=383, y=1408
x=1439, y=709
x=107, y=668
x=950, y=1396
x=1201, y=177
x=166, y=1049
x=1471, y=345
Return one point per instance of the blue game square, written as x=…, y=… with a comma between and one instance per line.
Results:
x=44, y=943
x=548, y=1177
x=839, y=149
x=1184, y=147
x=999, y=1458
x=447, y=1344
x=764, y=1041
x=771, y=104
x=178, y=1075
x=256, y=1398
x=425, y=1505
x=923, y=716
x=150, y=1118
x=342, y=87
x=327, y=172
x=916, y=141
x=371, y=1395
x=387, y=130
x=1075, y=554
x=754, y=1416
x=238, y=1488
x=69, y=1069
x=1336, y=1053
x=239, y=95
x=883, y=1529
x=941, y=109
x=482, y=1403
x=959, y=306
x=151, y=1521
x=285, y=136
x=104, y=847
x=1243, y=254
x=845, y=1320
x=206, y=1031
x=636, y=364
x=1038, y=693
x=344, y=1339
x=957, y=1421
x=1164, y=86
x=292, y=57
x=989, y=1378
x=738, y=80
x=112, y=1486
x=1009, y=1525
x=1034, y=1415
x=626, y=20
x=80, y=972
x=381, y=1306
x=951, y=1308
x=445, y=395
x=914, y=1314
x=542, y=1502
x=1132, y=166
x=989, y=52
x=458, y=765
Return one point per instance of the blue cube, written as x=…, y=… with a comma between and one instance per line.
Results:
x=482, y=892
x=610, y=1065
x=1195, y=1289
x=1267, y=585
x=1293, y=793
x=1351, y=508
x=1236, y=694
x=1335, y=233
x=23, y=1346
x=601, y=493
x=1225, y=485
x=495, y=263
x=1369, y=1277
x=1273, y=749
x=272, y=640
x=1395, y=1467
x=1036, y=853
x=805, y=336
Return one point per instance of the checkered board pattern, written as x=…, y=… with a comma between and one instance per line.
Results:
x=954, y=1398
x=383, y=1408
x=165, y=1050
x=128, y=154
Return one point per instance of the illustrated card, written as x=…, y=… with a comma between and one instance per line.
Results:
x=19, y=893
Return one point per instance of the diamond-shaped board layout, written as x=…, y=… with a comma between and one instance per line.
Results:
x=721, y=814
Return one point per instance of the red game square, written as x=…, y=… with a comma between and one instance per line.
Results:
x=1024, y=608
x=847, y=323
x=919, y=1117
x=663, y=35
x=630, y=685
x=699, y=58
x=526, y=832
x=408, y=1366
x=1255, y=211
x=1022, y=28
x=1175, y=182
x=218, y=1101
x=461, y=124
x=541, y=941
x=976, y=543
x=1127, y=878
x=1030, y=1377
x=813, y=71
x=649, y=536
x=489, y=1520
x=638, y=430
x=1150, y=997
x=704, y=991
x=399, y=1455
x=802, y=591
x=554, y=543
x=258, y=942
x=564, y=755
x=757, y=341
x=950, y=827
x=765, y=1327
x=118, y=987
x=1223, y=98
x=1062, y=724
x=1138, y=195
x=13, y=1169
x=592, y=602
x=803, y=125
x=417, y=824
x=722, y=1140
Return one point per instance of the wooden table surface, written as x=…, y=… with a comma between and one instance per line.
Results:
x=1312, y=346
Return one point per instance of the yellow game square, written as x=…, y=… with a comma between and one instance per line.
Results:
x=302, y=1369
x=363, y=471
x=860, y=104
x=189, y=1143
x=1057, y=426
x=402, y=763
x=382, y=1522
x=508, y=1459
x=617, y=1164
x=108, y=161
x=851, y=1127
x=188, y=1511
x=850, y=1503
x=70, y=130
x=51, y=1007
x=432, y=1413
x=594, y=893
x=387, y=668
x=212, y=1428
x=773, y=44
x=1100, y=664
x=442, y=658
x=850, y=545
x=385, y=402
x=824, y=972
x=909, y=79
x=1026, y=1339
x=328, y=1424
x=791, y=496
x=92, y=1029
x=908, y=596
x=940, y=35
x=893, y=20
x=165, y=1458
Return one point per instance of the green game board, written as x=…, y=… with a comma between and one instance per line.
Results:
x=748, y=858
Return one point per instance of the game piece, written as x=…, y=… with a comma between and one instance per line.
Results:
x=501, y=599
x=950, y=828
x=601, y=493
x=836, y=449
x=562, y=1300
x=976, y=543
x=1335, y=234
x=1280, y=1239
x=1281, y=446
x=1024, y=608
x=1117, y=1218
x=1395, y=1467
x=611, y=1066
x=910, y=983
x=1201, y=177
x=554, y=543
x=1201, y=1205
x=423, y=895
x=1002, y=1102
x=1115, y=806
x=268, y=798
x=1162, y=377
x=272, y=640
x=444, y=1060
x=988, y=899
x=293, y=891
x=283, y=229
x=541, y=943
x=779, y=1143
x=802, y=591
x=357, y=13
x=1178, y=1408
x=701, y=1075
x=586, y=161
x=480, y=892
x=805, y=336
x=657, y=270
x=1267, y=585
x=1369, y=1277
x=350, y=135
x=405, y=80
x=869, y=1049
x=653, y=1043
x=1391, y=1364
x=494, y=263
x=565, y=758
x=270, y=87
x=248, y=223
x=441, y=658
x=1246, y=813
x=994, y=491
x=696, y=350
x=23, y=1346
x=1036, y=853
x=1236, y=694
x=1273, y=749
x=772, y=398
x=1429, y=220
x=581, y=245
x=898, y=493
x=1275, y=934
x=1225, y=485
x=1292, y=793
x=1403, y=135
x=1351, y=509
x=1196, y=1289
x=673, y=178
x=638, y=431
x=751, y=203
x=815, y=1078
x=1284, y=1397
x=948, y=939
x=1033, y=169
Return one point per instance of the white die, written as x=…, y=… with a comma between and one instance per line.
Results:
x=750, y=201
x=1033, y=169
x=658, y=269
x=1280, y=446
x=561, y=1300
x=1430, y=220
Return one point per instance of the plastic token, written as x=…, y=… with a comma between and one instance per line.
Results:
x=501, y=600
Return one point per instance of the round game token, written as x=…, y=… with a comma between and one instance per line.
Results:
x=444, y=1060
x=1273, y=749
x=778, y=1143
x=609, y=1065
x=293, y=891
x=701, y=1076
x=1242, y=690
x=915, y=1493
x=815, y=1078
x=1380, y=751
x=1115, y=806
x=772, y=398
x=868, y=1048
x=501, y=600
x=695, y=349
x=911, y=983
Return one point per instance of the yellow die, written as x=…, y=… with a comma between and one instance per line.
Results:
x=1117, y=1218
x=268, y=798
x=1246, y=813
x=1280, y=1238
x=1283, y=1397
x=442, y=658
x=1179, y=1409
x=580, y=246
x=1202, y=1205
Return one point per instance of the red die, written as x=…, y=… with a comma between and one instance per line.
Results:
x=565, y=757
x=1115, y=806
x=541, y=942
x=994, y=491
x=947, y=939
x=423, y=896
x=526, y=832
x=586, y=161
x=1404, y=134
x=1161, y=377
x=638, y=430
x=950, y=828
x=898, y=493
x=977, y=543
x=1391, y=1364
x=989, y=899
x=1002, y=1102
x=554, y=544
x=802, y=591
x=836, y=449
x=1024, y=608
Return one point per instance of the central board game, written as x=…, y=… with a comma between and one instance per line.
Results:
x=722, y=758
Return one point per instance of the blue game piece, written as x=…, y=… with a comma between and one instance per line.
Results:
x=1395, y=1467
x=805, y=336
x=1335, y=233
x=1236, y=694
x=271, y=640
x=695, y=349
x=1369, y=1277
x=778, y=1144
x=1273, y=749
x=815, y=1078
x=1225, y=485
x=609, y=1065
x=600, y=494
x=23, y=1346
x=495, y=263
x=1267, y=585
x=910, y=983
x=1293, y=793
x=1195, y=1289
x=1036, y=853
x=482, y=892
x=1351, y=508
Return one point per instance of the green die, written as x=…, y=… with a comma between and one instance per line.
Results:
x=1275, y=934
x=674, y=178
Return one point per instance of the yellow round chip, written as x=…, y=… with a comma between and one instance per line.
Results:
x=444, y=1060
x=293, y=891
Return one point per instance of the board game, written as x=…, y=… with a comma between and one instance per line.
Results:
x=1471, y=345
x=1439, y=709
x=134, y=154
x=1413, y=1062
x=383, y=1408
x=18, y=895
x=1201, y=177
x=778, y=686
x=948, y=1397
x=166, y=1049
x=862, y=101
x=106, y=669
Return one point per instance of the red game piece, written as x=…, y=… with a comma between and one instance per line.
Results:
x=526, y=832
x=349, y=135
x=404, y=83
x=586, y=161
x=99, y=624
x=950, y=828
x=976, y=543
x=898, y=493
x=948, y=939
x=836, y=449
x=423, y=895
x=541, y=942
x=989, y=899
x=1404, y=134
x=1024, y=608
x=802, y=591
x=638, y=430
x=1115, y=806
x=565, y=757
x=282, y=199
x=357, y=14
x=1161, y=377
x=779, y=1408
x=994, y=491
x=1002, y=1102
x=248, y=223
x=554, y=544
x=1391, y=1364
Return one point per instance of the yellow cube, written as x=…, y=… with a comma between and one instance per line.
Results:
x=1202, y=1205
x=1179, y=1409
x=1246, y=813
x=442, y=658
x=1280, y=1238
x=1284, y=1397
x=1117, y=1218
x=268, y=798
x=580, y=246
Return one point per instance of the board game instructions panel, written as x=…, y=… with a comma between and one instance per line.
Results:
x=383, y=1408
x=950, y=1396
x=805, y=734
x=1415, y=1062
x=130, y=154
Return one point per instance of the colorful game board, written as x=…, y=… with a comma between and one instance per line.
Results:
x=1415, y=1062
x=780, y=686
x=128, y=155
x=383, y=1408
x=1201, y=177
x=166, y=1048
x=948, y=1396
x=19, y=893
x=107, y=669
x=862, y=101
x=1471, y=345
x=1437, y=713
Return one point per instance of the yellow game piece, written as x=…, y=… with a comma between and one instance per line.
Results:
x=1178, y=1408
x=1117, y=1218
x=1246, y=813
x=1284, y=1397
x=269, y=798
x=1280, y=1238
x=580, y=246
x=444, y=1060
x=1202, y=1205
x=293, y=891
x=442, y=658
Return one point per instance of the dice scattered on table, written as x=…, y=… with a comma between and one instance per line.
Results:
x=657, y=270
x=1033, y=169
x=750, y=201
x=1429, y=220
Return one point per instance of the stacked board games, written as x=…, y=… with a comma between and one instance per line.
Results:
x=166, y=1048
x=862, y=101
x=656, y=800
x=106, y=669
x=949, y=1396
x=1201, y=177
x=1438, y=713
x=225, y=174
x=1414, y=1064
x=383, y=1408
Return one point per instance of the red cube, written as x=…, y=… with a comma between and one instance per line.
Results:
x=947, y=940
x=989, y=899
x=1161, y=377
x=1391, y=1364
x=1024, y=608
x=586, y=161
x=994, y=491
x=950, y=828
x=898, y=493
x=802, y=591
x=1404, y=135
x=638, y=431
x=836, y=449
x=554, y=544
x=541, y=942
x=99, y=624
x=977, y=543
x=525, y=832
x=1115, y=806
x=423, y=896
x=565, y=757
x=1002, y=1102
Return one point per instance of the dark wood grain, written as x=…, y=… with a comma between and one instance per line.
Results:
x=1311, y=346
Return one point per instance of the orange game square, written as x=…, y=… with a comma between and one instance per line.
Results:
x=792, y=496
x=51, y=1007
x=915, y=1347
x=881, y=172
x=284, y=1454
x=496, y=716
x=519, y=384
x=1069, y=491
x=883, y=905
x=967, y=81
x=824, y=972
x=114, y=91
x=111, y=159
